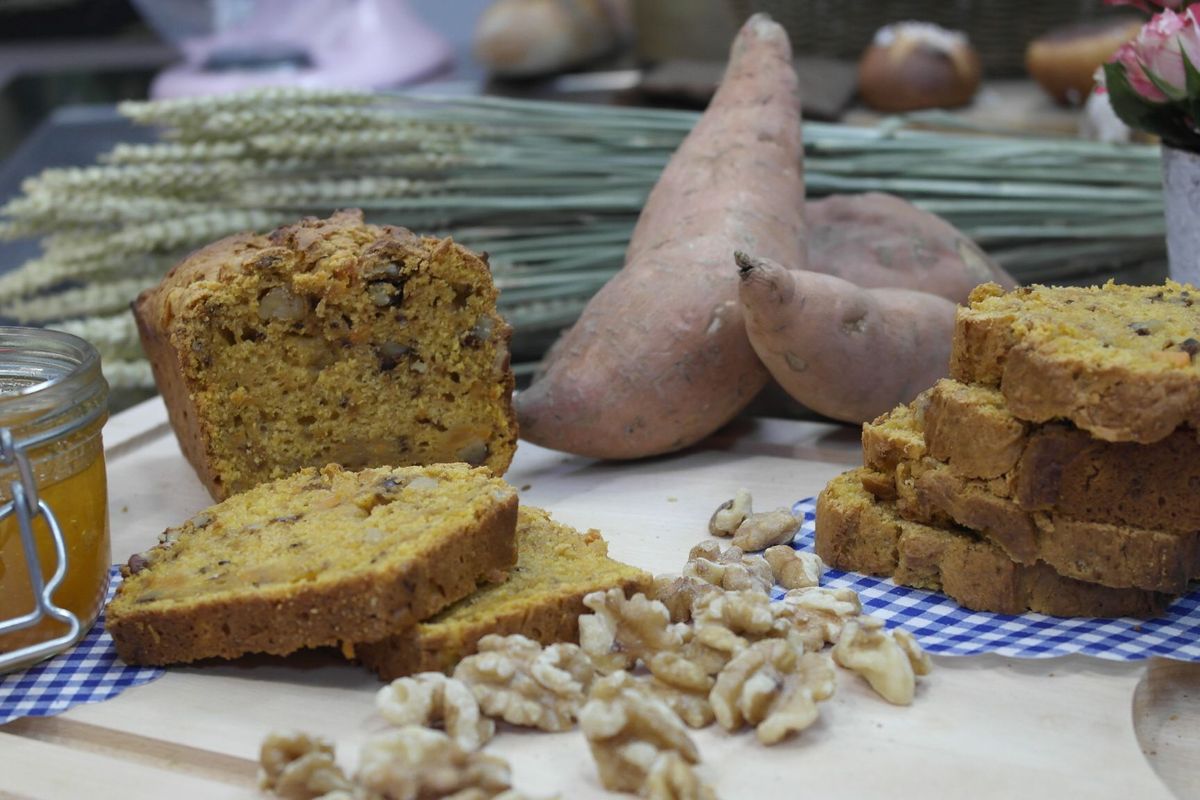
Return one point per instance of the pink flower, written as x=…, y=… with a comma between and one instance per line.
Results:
x=1157, y=48
x=1127, y=57
x=1153, y=61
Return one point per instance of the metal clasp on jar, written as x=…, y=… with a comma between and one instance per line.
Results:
x=26, y=506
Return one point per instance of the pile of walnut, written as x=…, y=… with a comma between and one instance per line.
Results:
x=710, y=645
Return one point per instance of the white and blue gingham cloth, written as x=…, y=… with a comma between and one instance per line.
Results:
x=91, y=672
x=87, y=673
x=946, y=628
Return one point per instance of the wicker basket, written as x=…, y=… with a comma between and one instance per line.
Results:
x=999, y=29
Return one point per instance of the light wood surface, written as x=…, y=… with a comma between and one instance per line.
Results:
x=980, y=727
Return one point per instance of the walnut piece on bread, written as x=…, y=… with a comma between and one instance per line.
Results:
x=515, y=679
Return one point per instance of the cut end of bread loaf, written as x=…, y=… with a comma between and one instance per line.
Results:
x=330, y=341
x=315, y=559
x=541, y=599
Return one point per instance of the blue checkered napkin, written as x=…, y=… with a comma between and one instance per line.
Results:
x=946, y=628
x=87, y=673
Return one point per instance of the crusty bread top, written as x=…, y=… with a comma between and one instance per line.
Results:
x=324, y=244
x=1143, y=329
x=316, y=528
x=1118, y=361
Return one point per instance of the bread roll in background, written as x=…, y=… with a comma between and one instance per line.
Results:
x=916, y=65
x=528, y=38
x=1064, y=60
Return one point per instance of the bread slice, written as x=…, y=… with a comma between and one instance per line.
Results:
x=1112, y=554
x=1080, y=538
x=1058, y=468
x=896, y=436
x=330, y=341
x=855, y=531
x=314, y=559
x=542, y=599
x=1120, y=362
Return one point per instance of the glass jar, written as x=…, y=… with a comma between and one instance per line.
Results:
x=54, y=540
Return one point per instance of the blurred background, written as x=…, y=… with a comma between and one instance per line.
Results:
x=61, y=52
x=981, y=111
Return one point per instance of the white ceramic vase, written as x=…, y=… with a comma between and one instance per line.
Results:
x=1181, y=204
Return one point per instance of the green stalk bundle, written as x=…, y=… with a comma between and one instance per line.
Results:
x=550, y=190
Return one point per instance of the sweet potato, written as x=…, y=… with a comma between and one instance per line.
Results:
x=659, y=358
x=878, y=241
x=843, y=351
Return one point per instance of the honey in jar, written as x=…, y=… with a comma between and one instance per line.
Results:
x=53, y=403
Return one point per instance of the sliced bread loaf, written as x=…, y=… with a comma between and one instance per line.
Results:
x=541, y=599
x=330, y=341
x=1071, y=528
x=856, y=531
x=1058, y=468
x=1120, y=362
x=315, y=559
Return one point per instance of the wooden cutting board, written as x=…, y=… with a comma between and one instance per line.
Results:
x=980, y=727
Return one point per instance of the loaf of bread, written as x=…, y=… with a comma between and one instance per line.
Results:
x=1111, y=554
x=315, y=559
x=1075, y=538
x=1057, y=467
x=1120, y=362
x=914, y=65
x=856, y=531
x=330, y=341
x=1064, y=61
x=541, y=599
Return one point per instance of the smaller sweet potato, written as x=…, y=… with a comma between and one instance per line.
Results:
x=880, y=241
x=844, y=351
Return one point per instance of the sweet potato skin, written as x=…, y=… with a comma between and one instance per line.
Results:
x=659, y=358
x=844, y=351
x=879, y=241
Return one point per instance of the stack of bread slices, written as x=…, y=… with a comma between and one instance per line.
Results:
x=1058, y=470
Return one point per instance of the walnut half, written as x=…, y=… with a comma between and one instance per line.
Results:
x=415, y=762
x=730, y=569
x=760, y=531
x=299, y=767
x=621, y=630
x=774, y=687
x=516, y=679
x=730, y=514
x=627, y=729
x=889, y=661
x=672, y=778
x=431, y=697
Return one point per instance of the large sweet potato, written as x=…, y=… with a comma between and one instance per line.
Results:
x=880, y=241
x=659, y=358
x=844, y=351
